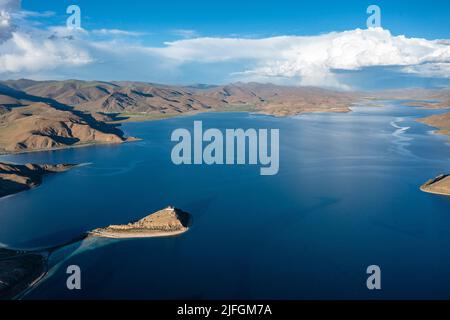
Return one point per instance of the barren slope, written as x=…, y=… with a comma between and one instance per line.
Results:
x=15, y=178
x=147, y=98
x=31, y=123
x=440, y=121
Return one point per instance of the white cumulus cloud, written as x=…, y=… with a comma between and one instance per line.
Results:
x=304, y=60
x=314, y=59
x=6, y=24
x=31, y=50
x=23, y=53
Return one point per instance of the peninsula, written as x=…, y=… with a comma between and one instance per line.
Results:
x=439, y=185
x=20, y=269
x=16, y=178
x=166, y=222
x=439, y=121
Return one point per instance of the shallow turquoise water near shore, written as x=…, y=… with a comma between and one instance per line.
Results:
x=346, y=196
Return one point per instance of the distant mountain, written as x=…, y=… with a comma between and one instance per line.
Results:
x=138, y=97
x=430, y=98
x=114, y=97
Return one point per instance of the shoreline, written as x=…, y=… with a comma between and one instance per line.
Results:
x=255, y=112
x=136, y=235
x=187, y=114
x=30, y=268
x=439, y=185
x=16, y=178
x=251, y=110
x=362, y=102
x=434, y=192
x=440, y=123
x=75, y=146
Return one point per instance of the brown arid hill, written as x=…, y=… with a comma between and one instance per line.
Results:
x=162, y=100
x=158, y=100
x=46, y=115
x=16, y=178
x=42, y=115
x=282, y=100
x=439, y=185
x=439, y=121
x=166, y=222
x=30, y=123
x=120, y=97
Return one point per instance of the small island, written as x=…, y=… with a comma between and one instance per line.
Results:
x=439, y=185
x=20, y=269
x=163, y=223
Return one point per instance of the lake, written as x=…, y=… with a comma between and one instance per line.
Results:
x=346, y=196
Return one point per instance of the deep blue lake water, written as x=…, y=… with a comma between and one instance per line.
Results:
x=346, y=196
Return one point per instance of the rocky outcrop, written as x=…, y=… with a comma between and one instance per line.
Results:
x=439, y=185
x=20, y=270
x=16, y=178
x=166, y=222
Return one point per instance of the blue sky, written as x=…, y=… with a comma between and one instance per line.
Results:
x=193, y=38
x=428, y=19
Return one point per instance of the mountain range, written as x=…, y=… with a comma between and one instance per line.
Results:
x=42, y=115
x=138, y=97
